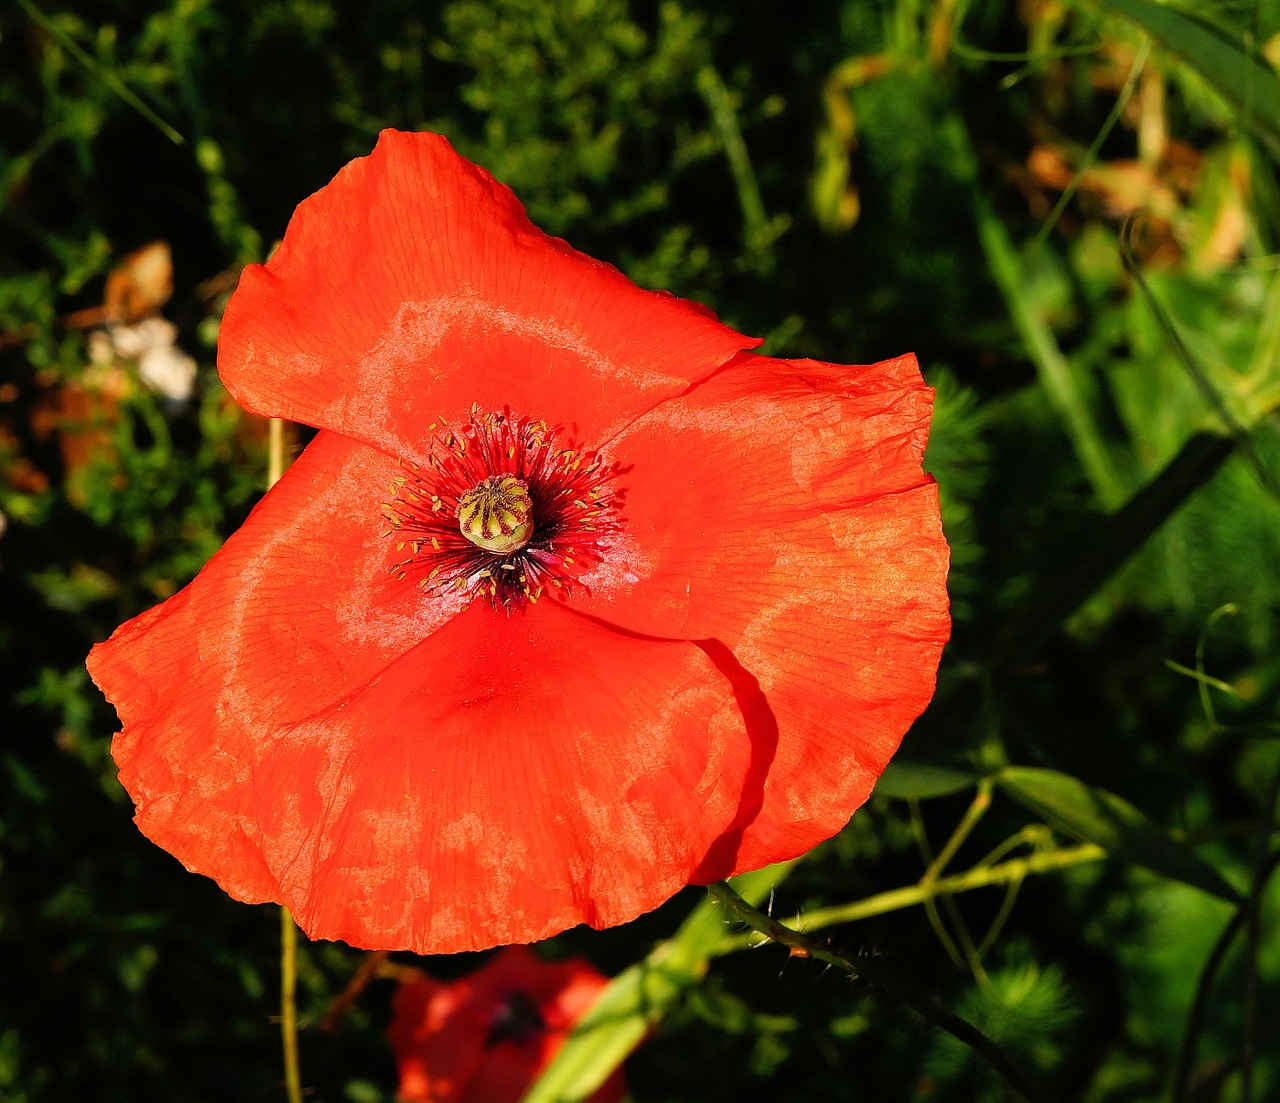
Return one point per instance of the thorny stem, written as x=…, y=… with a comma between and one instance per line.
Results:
x=869, y=969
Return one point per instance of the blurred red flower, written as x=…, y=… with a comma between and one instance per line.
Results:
x=361, y=709
x=486, y=1037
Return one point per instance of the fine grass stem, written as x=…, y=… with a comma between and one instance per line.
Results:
x=1091, y=154
x=113, y=82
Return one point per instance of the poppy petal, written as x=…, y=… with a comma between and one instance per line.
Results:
x=438, y=1040
x=296, y=610
x=413, y=285
x=780, y=509
x=509, y=777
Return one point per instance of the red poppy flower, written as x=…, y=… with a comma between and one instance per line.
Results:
x=571, y=602
x=486, y=1037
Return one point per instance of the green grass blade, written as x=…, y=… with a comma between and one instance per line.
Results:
x=759, y=231
x=101, y=72
x=1190, y=364
x=638, y=998
x=1063, y=587
x=1055, y=373
x=1106, y=820
x=1236, y=71
x=923, y=781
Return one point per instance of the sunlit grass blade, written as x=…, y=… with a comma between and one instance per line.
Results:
x=1095, y=147
x=1111, y=822
x=638, y=998
x=1061, y=385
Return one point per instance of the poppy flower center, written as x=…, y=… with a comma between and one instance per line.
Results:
x=503, y=510
x=517, y=1020
x=497, y=515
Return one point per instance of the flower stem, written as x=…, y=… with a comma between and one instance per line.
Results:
x=289, y=1005
x=275, y=451
x=869, y=969
x=288, y=929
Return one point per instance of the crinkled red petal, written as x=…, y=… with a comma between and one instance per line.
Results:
x=297, y=610
x=509, y=777
x=413, y=285
x=780, y=509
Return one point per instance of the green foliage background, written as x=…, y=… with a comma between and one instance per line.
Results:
x=850, y=180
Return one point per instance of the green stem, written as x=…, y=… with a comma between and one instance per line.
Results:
x=288, y=929
x=275, y=451
x=930, y=905
x=871, y=970
x=724, y=118
x=289, y=1006
x=981, y=802
x=896, y=899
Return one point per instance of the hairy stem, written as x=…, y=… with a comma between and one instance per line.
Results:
x=871, y=970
